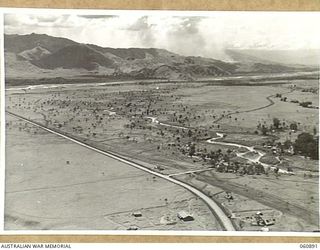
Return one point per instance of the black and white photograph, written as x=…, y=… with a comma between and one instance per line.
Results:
x=165, y=121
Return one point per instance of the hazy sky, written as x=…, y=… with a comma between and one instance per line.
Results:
x=188, y=35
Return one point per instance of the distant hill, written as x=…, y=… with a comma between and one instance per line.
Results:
x=74, y=56
x=19, y=43
x=41, y=56
x=302, y=57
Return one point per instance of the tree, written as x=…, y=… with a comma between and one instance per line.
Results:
x=264, y=130
x=259, y=169
x=314, y=130
x=276, y=123
x=192, y=150
x=287, y=144
x=226, y=158
x=305, y=104
x=293, y=126
x=306, y=145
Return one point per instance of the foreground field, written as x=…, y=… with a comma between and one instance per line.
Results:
x=289, y=207
x=55, y=184
x=159, y=124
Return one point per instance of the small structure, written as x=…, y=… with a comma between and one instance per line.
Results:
x=269, y=222
x=183, y=215
x=160, y=168
x=229, y=196
x=137, y=214
x=133, y=228
x=260, y=221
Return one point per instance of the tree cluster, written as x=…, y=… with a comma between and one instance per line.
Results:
x=307, y=145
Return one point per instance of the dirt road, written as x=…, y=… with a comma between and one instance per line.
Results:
x=218, y=212
x=271, y=102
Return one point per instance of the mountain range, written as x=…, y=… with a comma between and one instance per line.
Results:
x=41, y=56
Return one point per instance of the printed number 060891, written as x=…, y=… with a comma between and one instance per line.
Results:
x=308, y=245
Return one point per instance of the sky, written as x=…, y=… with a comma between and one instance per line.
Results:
x=205, y=34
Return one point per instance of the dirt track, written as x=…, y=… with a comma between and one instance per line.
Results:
x=271, y=102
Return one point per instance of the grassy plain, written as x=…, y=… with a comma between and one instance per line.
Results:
x=114, y=117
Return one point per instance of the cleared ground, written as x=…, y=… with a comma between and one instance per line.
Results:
x=55, y=184
x=258, y=194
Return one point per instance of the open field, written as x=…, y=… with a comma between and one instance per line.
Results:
x=159, y=124
x=253, y=195
x=54, y=184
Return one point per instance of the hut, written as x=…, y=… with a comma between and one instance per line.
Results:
x=137, y=214
x=183, y=215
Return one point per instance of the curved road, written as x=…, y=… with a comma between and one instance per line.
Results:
x=221, y=216
x=271, y=102
x=257, y=153
x=220, y=135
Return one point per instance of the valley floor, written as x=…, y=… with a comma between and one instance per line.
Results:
x=63, y=186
